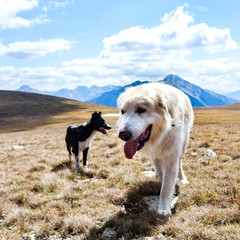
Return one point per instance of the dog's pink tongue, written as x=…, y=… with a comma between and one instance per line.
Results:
x=130, y=148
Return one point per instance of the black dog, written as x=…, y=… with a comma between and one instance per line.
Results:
x=78, y=138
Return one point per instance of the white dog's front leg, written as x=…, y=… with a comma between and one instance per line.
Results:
x=181, y=176
x=169, y=179
x=158, y=168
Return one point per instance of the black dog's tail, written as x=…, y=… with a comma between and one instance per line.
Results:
x=66, y=140
x=68, y=147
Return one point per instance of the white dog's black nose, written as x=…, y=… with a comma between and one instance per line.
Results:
x=125, y=135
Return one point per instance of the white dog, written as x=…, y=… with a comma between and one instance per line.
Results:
x=157, y=118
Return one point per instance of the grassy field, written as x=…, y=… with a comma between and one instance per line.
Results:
x=42, y=197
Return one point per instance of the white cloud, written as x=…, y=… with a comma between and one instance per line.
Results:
x=9, y=10
x=177, y=32
x=140, y=53
x=57, y=4
x=217, y=75
x=31, y=50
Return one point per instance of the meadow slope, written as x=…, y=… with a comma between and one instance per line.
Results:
x=21, y=111
x=43, y=197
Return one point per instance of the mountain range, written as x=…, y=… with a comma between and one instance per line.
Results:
x=235, y=95
x=198, y=96
x=108, y=95
x=80, y=93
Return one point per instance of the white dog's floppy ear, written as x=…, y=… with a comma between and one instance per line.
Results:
x=160, y=106
x=165, y=111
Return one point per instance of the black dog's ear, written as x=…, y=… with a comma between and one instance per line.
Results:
x=99, y=113
x=94, y=115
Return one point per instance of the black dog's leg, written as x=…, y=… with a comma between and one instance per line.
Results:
x=76, y=152
x=85, y=152
x=69, y=151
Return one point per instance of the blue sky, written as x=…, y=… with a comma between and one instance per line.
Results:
x=53, y=44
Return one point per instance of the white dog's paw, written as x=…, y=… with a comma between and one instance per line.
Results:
x=164, y=213
x=184, y=181
x=149, y=173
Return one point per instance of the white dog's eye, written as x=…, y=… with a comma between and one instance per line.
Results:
x=141, y=110
x=122, y=111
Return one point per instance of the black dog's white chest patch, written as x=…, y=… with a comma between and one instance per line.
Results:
x=84, y=144
x=73, y=126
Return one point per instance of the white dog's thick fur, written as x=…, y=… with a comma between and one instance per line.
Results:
x=157, y=118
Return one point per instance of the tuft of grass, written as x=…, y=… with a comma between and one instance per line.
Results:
x=103, y=174
x=205, y=145
x=36, y=168
x=112, y=145
x=20, y=199
x=37, y=188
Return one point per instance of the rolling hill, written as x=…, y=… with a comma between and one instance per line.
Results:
x=23, y=111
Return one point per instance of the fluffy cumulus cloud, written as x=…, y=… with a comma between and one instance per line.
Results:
x=152, y=53
x=31, y=50
x=148, y=54
x=176, y=33
x=10, y=9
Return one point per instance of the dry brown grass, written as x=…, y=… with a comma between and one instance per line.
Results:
x=20, y=111
x=42, y=197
